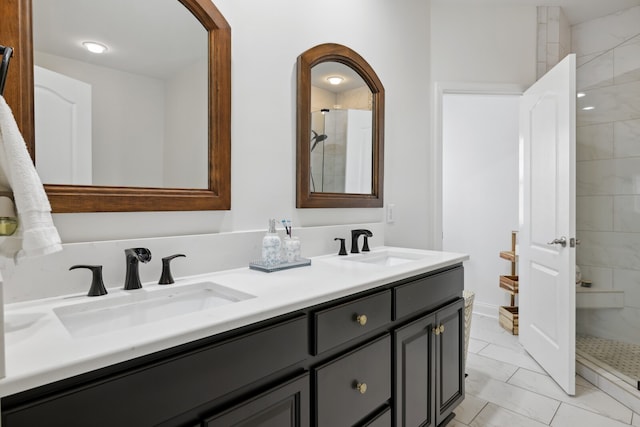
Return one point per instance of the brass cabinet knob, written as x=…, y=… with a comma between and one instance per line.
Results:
x=361, y=387
x=438, y=330
x=361, y=319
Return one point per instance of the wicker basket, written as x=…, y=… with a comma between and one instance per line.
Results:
x=468, y=309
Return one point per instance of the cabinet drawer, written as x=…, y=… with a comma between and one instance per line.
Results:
x=342, y=323
x=339, y=402
x=152, y=394
x=428, y=292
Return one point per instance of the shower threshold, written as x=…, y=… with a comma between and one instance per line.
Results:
x=621, y=359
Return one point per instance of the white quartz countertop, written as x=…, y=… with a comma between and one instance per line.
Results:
x=40, y=349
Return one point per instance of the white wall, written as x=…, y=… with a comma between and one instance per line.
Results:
x=484, y=43
x=480, y=188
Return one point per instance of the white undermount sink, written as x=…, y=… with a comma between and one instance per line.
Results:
x=141, y=306
x=386, y=258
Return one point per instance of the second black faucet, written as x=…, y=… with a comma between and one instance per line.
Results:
x=354, y=240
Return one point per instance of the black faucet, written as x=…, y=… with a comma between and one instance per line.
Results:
x=354, y=240
x=166, y=278
x=97, y=284
x=134, y=255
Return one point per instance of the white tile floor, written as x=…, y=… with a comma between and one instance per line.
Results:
x=507, y=388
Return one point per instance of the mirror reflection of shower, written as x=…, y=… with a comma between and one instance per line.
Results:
x=318, y=159
x=341, y=151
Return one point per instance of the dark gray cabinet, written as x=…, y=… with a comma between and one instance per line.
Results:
x=429, y=367
x=388, y=356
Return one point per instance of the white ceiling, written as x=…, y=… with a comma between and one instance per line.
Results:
x=156, y=38
x=577, y=11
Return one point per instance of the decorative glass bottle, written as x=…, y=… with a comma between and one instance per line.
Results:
x=271, y=246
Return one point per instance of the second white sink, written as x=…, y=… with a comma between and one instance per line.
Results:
x=386, y=258
x=142, y=306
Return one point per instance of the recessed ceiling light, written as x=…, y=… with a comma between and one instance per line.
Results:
x=335, y=80
x=94, y=47
x=581, y=94
x=589, y=108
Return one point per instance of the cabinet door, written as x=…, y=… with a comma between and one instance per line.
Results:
x=414, y=397
x=283, y=406
x=449, y=359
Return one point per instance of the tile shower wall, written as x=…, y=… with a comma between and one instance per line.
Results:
x=554, y=38
x=608, y=168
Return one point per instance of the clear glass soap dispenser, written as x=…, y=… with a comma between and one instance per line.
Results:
x=271, y=246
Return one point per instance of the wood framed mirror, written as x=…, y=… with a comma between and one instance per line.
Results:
x=213, y=190
x=340, y=130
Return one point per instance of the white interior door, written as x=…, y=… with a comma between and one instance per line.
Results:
x=547, y=206
x=62, y=108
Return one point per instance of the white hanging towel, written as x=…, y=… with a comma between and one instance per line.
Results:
x=36, y=235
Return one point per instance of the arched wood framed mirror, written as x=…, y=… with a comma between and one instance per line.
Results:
x=340, y=130
x=211, y=189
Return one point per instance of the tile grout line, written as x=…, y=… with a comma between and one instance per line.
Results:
x=555, y=414
x=476, y=415
x=560, y=402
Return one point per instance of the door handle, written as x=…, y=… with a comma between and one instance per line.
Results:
x=562, y=241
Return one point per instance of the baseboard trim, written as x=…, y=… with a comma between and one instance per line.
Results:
x=485, y=309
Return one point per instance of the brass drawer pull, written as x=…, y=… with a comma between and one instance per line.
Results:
x=441, y=329
x=361, y=319
x=361, y=387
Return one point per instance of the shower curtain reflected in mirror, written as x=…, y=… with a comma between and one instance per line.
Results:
x=341, y=151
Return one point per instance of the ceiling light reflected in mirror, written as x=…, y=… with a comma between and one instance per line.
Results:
x=95, y=47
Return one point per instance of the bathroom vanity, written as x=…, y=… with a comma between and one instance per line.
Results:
x=355, y=340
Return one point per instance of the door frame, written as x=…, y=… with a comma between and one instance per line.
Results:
x=440, y=89
x=436, y=190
